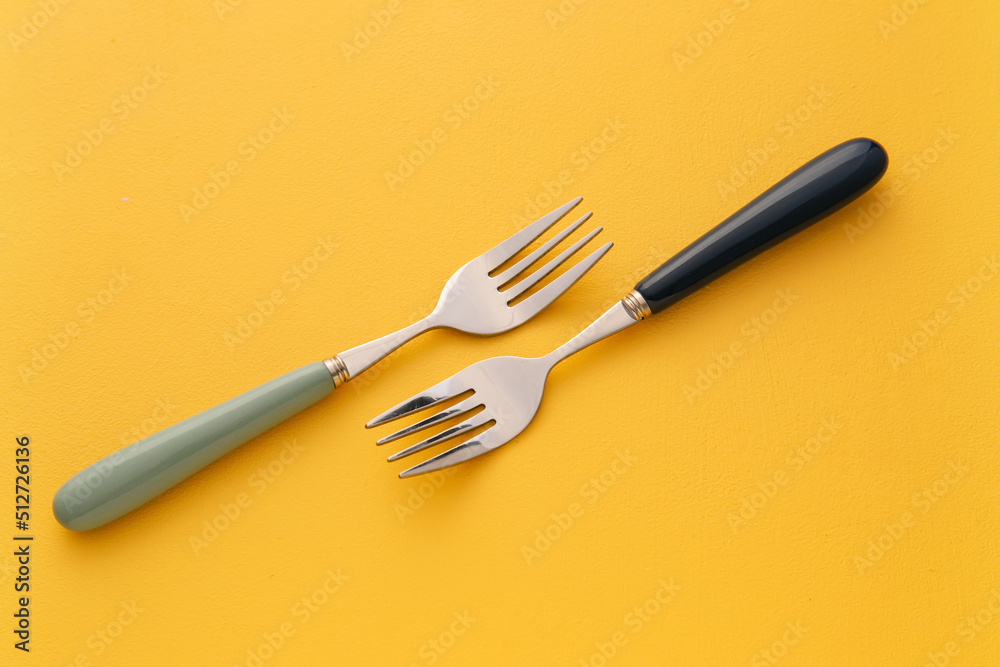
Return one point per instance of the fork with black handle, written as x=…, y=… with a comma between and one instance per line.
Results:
x=509, y=389
x=479, y=299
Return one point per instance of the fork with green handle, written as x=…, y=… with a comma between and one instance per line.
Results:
x=477, y=299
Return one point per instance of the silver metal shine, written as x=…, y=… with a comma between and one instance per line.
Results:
x=472, y=300
x=509, y=389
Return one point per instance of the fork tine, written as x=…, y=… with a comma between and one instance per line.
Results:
x=507, y=249
x=475, y=421
x=447, y=413
x=550, y=292
x=469, y=449
x=549, y=267
x=513, y=271
x=442, y=391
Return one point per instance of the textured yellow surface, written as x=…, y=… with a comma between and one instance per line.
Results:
x=796, y=466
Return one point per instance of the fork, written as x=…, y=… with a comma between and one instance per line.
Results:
x=509, y=389
x=473, y=301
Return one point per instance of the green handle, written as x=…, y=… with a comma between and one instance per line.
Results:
x=119, y=483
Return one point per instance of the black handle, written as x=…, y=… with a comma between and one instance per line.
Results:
x=813, y=191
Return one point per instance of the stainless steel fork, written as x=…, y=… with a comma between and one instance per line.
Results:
x=473, y=301
x=509, y=389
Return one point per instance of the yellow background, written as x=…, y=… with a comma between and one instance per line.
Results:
x=771, y=85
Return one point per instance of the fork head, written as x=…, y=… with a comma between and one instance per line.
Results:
x=477, y=302
x=507, y=389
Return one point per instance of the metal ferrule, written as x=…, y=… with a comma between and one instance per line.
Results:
x=636, y=306
x=338, y=370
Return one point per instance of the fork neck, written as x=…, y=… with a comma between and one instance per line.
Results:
x=358, y=359
x=618, y=317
